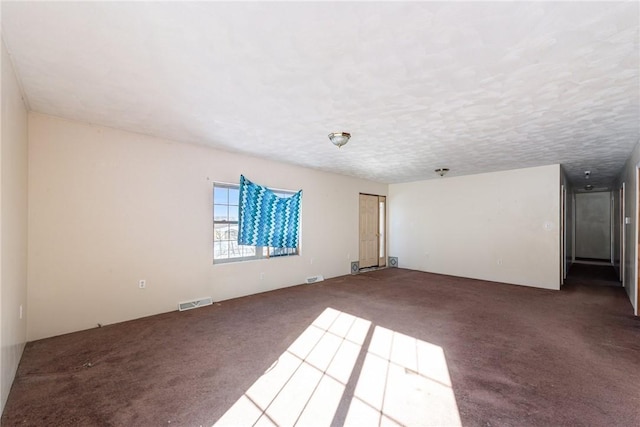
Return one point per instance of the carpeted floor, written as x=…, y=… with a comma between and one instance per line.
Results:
x=593, y=275
x=515, y=356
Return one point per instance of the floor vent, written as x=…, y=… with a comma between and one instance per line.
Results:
x=355, y=267
x=314, y=279
x=188, y=305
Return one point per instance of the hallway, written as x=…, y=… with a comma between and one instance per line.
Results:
x=592, y=275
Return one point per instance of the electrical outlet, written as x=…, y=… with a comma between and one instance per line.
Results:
x=261, y=276
x=142, y=284
x=499, y=261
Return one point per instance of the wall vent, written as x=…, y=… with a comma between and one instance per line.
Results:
x=314, y=279
x=393, y=261
x=188, y=305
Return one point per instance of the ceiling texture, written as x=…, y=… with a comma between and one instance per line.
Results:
x=472, y=86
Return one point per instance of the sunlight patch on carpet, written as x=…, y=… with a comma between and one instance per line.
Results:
x=403, y=381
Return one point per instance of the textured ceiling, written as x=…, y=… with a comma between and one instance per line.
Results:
x=475, y=87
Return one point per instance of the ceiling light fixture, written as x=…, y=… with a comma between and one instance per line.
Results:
x=587, y=174
x=588, y=187
x=339, y=138
x=442, y=171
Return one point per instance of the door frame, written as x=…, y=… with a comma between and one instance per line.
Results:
x=563, y=234
x=382, y=260
x=623, y=231
x=637, y=241
x=382, y=231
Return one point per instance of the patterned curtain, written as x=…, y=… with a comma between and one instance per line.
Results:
x=266, y=219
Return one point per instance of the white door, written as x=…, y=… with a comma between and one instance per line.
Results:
x=369, y=231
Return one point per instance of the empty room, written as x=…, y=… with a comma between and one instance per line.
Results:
x=320, y=213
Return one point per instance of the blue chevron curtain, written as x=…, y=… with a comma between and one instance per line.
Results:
x=266, y=219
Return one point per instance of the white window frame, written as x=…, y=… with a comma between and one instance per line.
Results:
x=247, y=253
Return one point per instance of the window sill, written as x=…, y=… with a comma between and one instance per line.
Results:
x=242, y=261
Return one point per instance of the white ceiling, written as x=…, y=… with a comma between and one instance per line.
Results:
x=475, y=87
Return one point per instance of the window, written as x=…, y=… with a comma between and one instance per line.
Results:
x=225, y=228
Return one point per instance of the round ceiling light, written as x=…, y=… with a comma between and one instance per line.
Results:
x=339, y=138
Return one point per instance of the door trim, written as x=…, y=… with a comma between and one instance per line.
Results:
x=623, y=233
x=562, y=236
x=381, y=231
x=637, y=241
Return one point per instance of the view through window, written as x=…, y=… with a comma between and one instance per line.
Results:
x=225, y=228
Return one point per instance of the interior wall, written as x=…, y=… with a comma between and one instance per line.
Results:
x=13, y=226
x=593, y=225
x=109, y=208
x=628, y=176
x=499, y=226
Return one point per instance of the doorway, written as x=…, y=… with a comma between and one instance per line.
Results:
x=593, y=227
x=373, y=218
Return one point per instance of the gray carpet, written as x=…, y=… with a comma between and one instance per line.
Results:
x=515, y=356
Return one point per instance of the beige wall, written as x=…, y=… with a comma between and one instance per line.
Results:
x=628, y=176
x=499, y=226
x=108, y=208
x=13, y=227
